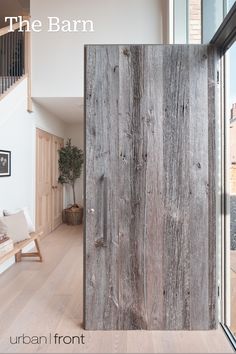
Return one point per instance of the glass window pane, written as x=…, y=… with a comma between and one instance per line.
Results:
x=180, y=21
x=229, y=4
x=213, y=14
x=187, y=22
x=194, y=22
x=231, y=127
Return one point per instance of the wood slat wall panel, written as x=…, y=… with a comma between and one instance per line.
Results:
x=152, y=108
x=213, y=109
x=150, y=244
x=102, y=183
x=199, y=185
x=176, y=142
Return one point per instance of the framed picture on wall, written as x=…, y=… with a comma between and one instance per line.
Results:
x=5, y=163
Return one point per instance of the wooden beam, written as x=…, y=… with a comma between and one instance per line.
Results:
x=30, y=254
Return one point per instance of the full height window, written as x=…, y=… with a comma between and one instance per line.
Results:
x=224, y=39
x=230, y=134
x=214, y=21
x=195, y=22
x=187, y=21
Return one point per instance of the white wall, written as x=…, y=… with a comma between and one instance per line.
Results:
x=57, y=58
x=44, y=120
x=76, y=133
x=17, y=134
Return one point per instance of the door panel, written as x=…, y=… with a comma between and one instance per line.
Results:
x=150, y=243
x=49, y=193
x=43, y=182
x=57, y=189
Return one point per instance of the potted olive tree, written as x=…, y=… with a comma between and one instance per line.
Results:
x=71, y=160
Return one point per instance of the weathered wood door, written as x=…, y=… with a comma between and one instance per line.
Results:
x=150, y=239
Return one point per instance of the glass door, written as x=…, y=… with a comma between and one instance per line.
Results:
x=230, y=116
x=224, y=40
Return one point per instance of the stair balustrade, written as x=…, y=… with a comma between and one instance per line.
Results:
x=13, y=61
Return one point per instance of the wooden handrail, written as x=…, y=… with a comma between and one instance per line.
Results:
x=6, y=29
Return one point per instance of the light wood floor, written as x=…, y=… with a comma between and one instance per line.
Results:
x=38, y=299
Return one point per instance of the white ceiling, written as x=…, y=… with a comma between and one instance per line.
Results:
x=69, y=110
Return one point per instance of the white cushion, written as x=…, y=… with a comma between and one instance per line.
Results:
x=3, y=227
x=31, y=227
x=15, y=227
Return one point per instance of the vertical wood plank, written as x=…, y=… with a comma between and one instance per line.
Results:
x=101, y=188
x=199, y=187
x=176, y=145
x=154, y=215
x=213, y=91
x=132, y=179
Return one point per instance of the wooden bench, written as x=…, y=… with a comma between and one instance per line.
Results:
x=18, y=247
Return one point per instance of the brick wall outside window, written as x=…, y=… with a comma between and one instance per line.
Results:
x=195, y=21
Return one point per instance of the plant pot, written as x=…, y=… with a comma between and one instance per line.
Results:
x=72, y=216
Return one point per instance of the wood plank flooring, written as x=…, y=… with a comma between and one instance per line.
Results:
x=39, y=299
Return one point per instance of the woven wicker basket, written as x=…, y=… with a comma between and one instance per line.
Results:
x=72, y=216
